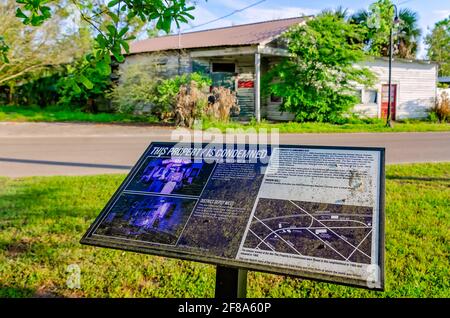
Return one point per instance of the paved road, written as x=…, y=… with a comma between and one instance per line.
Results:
x=30, y=149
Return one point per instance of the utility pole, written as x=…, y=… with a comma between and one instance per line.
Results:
x=391, y=44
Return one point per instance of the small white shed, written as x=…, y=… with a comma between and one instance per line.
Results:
x=414, y=88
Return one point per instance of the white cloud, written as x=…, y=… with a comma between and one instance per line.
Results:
x=441, y=14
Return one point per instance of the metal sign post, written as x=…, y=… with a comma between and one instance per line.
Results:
x=230, y=282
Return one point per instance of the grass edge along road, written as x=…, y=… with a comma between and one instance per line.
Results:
x=56, y=114
x=43, y=218
x=52, y=114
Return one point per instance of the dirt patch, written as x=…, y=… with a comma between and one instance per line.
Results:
x=45, y=293
x=17, y=248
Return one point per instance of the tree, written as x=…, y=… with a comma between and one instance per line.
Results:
x=31, y=50
x=408, y=34
x=318, y=82
x=379, y=19
x=71, y=94
x=438, y=42
x=111, y=38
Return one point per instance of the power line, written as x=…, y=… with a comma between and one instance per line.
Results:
x=227, y=15
x=403, y=2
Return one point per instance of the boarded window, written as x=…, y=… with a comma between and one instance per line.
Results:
x=275, y=99
x=223, y=67
x=370, y=97
x=201, y=67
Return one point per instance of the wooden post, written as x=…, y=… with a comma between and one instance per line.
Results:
x=258, y=86
x=230, y=282
x=388, y=117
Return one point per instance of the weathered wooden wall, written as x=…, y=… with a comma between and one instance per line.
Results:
x=165, y=64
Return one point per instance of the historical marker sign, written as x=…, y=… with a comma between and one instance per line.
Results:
x=309, y=211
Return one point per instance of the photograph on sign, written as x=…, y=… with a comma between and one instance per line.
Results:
x=171, y=176
x=146, y=218
x=308, y=211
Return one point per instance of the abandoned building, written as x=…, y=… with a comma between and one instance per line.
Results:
x=237, y=56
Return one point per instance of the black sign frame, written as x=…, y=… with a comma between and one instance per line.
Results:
x=151, y=249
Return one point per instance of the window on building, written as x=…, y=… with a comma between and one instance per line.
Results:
x=224, y=67
x=358, y=94
x=275, y=99
x=370, y=96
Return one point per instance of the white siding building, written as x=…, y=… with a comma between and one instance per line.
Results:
x=414, y=86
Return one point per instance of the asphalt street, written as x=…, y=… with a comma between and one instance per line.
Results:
x=42, y=149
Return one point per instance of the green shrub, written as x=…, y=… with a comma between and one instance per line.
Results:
x=168, y=89
x=433, y=117
x=40, y=89
x=87, y=95
x=136, y=90
x=141, y=90
x=318, y=80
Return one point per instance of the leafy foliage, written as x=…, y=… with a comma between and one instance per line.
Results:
x=111, y=38
x=408, y=34
x=140, y=88
x=377, y=22
x=136, y=89
x=27, y=52
x=438, y=42
x=36, y=12
x=4, y=48
x=95, y=82
x=42, y=91
x=317, y=82
x=168, y=89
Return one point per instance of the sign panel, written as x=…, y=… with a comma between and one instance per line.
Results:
x=309, y=211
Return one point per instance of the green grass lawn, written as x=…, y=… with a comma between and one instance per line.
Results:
x=43, y=218
x=58, y=114
x=55, y=114
x=373, y=125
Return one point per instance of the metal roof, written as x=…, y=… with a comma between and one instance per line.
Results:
x=245, y=34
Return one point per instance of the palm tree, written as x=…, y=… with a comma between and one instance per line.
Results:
x=340, y=12
x=359, y=17
x=407, y=33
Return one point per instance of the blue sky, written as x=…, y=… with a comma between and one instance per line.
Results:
x=430, y=11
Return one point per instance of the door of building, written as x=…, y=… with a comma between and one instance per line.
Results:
x=384, y=100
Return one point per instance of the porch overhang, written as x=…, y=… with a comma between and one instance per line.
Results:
x=257, y=51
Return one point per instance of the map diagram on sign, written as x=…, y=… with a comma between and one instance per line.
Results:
x=323, y=230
